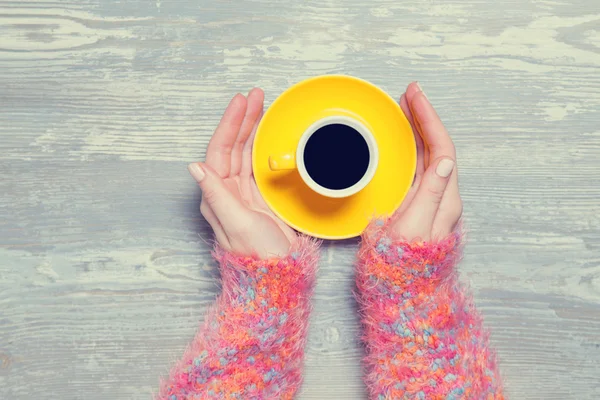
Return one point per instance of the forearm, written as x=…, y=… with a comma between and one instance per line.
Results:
x=424, y=338
x=251, y=344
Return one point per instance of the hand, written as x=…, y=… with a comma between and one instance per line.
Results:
x=231, y=202
x=433, y=206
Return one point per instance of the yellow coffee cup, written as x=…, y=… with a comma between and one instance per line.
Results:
x=336, y=156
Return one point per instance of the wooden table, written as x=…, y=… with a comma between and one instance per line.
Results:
x=104, y=266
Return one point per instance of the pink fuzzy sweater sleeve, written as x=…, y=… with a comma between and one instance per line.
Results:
x=251, y=344
x=423, y=337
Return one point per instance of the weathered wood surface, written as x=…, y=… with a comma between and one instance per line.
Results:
x=104, y=269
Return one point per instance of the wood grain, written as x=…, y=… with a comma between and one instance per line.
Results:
x=105, y=266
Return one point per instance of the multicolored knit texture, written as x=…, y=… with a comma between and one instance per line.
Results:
x=251, y=345
x=423, y=336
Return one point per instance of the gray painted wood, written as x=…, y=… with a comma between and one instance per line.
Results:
x=104, y=267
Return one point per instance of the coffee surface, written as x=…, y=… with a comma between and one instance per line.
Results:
x=336, y=156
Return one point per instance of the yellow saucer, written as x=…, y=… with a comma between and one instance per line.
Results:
x=284, y=123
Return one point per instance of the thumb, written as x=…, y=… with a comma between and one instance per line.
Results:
x=422, y=210
x=228, y=209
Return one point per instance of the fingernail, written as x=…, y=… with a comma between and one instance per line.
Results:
x=444, y=168
x=197, y=171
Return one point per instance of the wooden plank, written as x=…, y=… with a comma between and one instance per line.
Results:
x=105, y=266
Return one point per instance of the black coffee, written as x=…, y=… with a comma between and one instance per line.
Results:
x=336, y=156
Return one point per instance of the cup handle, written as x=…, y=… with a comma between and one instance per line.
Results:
x=282, y=162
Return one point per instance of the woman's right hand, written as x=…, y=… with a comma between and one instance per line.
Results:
x=433, y=206
x=231, y=202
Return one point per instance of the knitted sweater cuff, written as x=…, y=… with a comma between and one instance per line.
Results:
x=251, y=344
x=411, y=266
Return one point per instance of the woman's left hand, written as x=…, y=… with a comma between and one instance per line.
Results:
x=231, y=202
x=433, y=206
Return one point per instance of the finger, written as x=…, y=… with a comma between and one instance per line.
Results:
x=420, y=215
x=218, y=154
x=412, y=89
x=247, y=168
x=227, y=208
x=247, y=151
x=215, y=224
x=420, y=166
x=434, y=132
x=253, y=110
x=450, y=210
x=419, y=141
